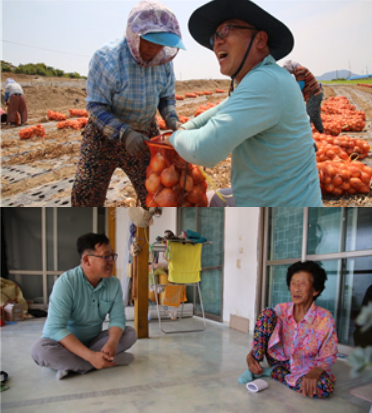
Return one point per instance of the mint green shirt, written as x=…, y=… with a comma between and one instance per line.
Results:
x=265, y=127
x=78, y=308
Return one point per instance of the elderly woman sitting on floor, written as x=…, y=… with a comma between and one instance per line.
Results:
x=298, y=338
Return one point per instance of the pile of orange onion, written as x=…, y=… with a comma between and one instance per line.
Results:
x=339, y=115
x=343, y=146
x=340, y=177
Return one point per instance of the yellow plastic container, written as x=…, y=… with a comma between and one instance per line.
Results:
x=163, y=279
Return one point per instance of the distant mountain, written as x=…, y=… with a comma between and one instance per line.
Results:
x=336, y=74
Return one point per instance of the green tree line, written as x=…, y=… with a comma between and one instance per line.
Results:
x=40, y=69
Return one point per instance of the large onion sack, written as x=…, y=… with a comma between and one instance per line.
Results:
x=28, y=133
x=171, y=181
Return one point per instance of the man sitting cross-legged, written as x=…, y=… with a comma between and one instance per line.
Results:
x=73, y=339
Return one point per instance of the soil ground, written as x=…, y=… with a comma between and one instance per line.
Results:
x=40, y=171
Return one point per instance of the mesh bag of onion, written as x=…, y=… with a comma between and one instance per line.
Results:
x=171, y=181
x=339, y=177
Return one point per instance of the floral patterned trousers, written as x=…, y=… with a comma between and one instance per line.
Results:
x=262, y=332
x=99, y=157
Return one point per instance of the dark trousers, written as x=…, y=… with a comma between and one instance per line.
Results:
x=17, y=103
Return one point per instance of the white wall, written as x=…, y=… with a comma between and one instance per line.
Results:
x=121, y=239
x=168, y=220
x=241, y=243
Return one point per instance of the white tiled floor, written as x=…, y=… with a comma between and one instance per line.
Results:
x=185, y=372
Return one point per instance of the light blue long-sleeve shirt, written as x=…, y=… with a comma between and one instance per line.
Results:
x=78, y=308
x=264, y=125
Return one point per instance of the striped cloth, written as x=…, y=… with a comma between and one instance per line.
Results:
x=311, y=84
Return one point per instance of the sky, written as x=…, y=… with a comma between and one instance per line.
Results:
x=329, y=35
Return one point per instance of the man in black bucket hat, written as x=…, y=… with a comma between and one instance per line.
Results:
x=263, y=123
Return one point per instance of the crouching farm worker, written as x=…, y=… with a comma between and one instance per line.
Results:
x=128, y=80
x=298, y=338
x=73, y=340
x=16, y=102
x=263, y=123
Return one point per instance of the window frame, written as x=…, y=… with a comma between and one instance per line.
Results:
x=44, y=272
x=264, y=286
x=208, y=315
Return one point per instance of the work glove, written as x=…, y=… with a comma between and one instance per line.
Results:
x=173, y=123
x=134, y=142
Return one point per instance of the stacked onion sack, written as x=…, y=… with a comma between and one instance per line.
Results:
x=338, y=115
x=171, y=182
x=340, y=177
x=202, y=108
x=338, y=173
x=342, y=147
x=162, y=124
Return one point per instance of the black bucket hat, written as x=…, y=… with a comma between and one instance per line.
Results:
x=205, y=20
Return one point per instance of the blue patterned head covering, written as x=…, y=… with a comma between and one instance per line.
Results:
x=150, y=16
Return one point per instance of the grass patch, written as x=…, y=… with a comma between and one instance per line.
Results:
x=346, y=82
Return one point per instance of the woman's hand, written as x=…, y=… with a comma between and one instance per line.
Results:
x=253, y=365
x=173, y=124
x=309, y=385
x=134, y=142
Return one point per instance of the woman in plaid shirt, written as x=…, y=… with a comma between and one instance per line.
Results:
x=128, y=80
x=311, y=91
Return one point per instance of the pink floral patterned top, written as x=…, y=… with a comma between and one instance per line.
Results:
x=310, y=343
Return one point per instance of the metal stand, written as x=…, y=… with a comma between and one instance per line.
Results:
x=160, y=246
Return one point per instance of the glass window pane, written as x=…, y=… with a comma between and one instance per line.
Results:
x=329, y=297
x=211, y=224
x=277, y=285
x=51, y=279
x=22, y=230
x=285, y=233
x=101, y=226
x=359, y=229
x=187, y=219
x=31, y=287
x=72, y=222
x=325, y=230
x=357, y=278
x=211, y=287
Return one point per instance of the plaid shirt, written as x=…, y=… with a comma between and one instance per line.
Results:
x=123, y=94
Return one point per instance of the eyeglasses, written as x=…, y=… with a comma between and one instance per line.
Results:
x=225, y=30
x=108, y=258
